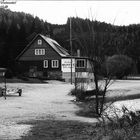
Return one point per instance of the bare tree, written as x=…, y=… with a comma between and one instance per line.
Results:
x=87, y=42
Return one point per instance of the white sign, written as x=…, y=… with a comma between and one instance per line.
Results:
x=66, y=65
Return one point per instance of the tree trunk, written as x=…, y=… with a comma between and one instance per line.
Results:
x=97, y=91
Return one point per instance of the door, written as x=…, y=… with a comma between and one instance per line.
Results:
x=33, y=71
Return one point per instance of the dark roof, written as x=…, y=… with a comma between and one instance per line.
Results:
x=59, y=49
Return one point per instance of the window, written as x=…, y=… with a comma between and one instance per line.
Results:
x=45, y=64
x=39, y=51
x=80, y=63
x=39, y=42
x=55, y=64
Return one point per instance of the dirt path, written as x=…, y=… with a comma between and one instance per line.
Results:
x=39, y=101
x=44, y=101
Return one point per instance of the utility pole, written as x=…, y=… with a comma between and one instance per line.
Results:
x=71, y=46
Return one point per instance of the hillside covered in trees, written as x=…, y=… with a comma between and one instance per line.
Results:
x=17, y=29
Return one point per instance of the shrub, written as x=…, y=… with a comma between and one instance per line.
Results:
x=120, y=128
x=119, y=66
x=79, y=94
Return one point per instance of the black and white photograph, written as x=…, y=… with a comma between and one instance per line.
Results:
x=69, y=70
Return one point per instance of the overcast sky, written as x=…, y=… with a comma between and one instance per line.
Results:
x=57, y=12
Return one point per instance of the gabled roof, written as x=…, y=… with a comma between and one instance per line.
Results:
x=56, y=47
x=60, y=50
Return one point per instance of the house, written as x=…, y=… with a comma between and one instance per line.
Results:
x=43, y=57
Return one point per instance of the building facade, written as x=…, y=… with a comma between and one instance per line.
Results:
x=44, y=58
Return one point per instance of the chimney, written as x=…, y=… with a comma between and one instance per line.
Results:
x=78, y=52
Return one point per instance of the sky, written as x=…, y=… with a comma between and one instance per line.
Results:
x=57, y=12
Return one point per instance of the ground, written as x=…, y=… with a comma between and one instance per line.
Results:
x=48, y=101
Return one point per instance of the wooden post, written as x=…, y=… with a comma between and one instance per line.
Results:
x=71, y=47
x=5, y=87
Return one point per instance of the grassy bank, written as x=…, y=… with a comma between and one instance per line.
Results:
x=72, y=130
x=87, y=105
x=60, y=130
x=87, y=108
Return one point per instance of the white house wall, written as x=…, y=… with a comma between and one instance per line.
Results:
x=66, y=65
x=67, y=73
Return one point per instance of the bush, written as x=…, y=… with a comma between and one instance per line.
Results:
x=79, y=94
x=119, y=66
x=82, y=95
x=120, y=128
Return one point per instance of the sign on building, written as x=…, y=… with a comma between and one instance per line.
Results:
x=66, y=65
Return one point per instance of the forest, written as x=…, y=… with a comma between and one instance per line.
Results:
x=17, y=29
